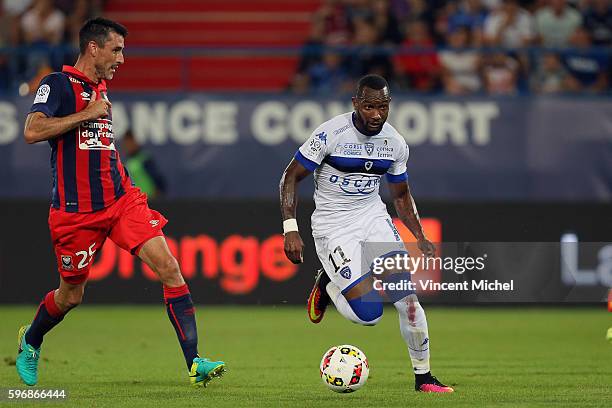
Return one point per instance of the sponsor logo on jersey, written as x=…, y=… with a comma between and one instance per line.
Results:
x=154, y=223
x=357, y=149
x=85, y=96
x=354, y=184
x=384, y=151
x=67, y=262
x=76, y=81
x=345, y=272
x=349, y=149
x=97, y=135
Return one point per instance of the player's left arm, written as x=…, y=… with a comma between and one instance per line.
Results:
x=407, y=212
x=397, y=178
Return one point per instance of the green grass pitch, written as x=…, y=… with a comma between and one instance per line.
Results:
x=128, y=356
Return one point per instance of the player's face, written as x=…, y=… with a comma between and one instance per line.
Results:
x=372, y=108
x=110, y=56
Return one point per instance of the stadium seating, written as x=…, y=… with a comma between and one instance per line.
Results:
x=211, y=30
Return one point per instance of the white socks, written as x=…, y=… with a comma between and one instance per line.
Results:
x=412, y=321
x=413, y=326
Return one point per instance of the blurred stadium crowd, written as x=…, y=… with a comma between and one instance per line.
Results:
x=48, y=32
x=456, y=47
x=460, y=47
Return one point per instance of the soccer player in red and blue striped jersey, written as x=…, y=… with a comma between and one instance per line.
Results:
x=93, y=198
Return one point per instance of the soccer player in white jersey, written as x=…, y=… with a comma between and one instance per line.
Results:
x=349, y=154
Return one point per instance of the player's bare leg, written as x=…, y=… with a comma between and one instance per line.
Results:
x=69, y=296
x=156, y=254
x=181, y=311
x=50, y=313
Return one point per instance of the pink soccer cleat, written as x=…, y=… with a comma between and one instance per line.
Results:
x=429, y=383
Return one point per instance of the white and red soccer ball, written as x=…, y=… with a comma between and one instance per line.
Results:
x=344, y=368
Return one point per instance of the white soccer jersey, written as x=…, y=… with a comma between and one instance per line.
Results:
x=348, y=166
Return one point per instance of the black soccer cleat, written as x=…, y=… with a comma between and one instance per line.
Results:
x=318, y=299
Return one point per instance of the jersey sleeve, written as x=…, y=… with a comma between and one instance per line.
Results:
x=313, y=151
x=397, y=171
x=48, y=97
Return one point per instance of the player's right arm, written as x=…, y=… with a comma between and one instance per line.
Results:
x=41, y=123
x=308, y=157
x=293, y=174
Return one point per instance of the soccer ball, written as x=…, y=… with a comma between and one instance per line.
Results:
x=344, y=368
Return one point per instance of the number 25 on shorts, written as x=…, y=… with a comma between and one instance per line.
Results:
x=86, y=256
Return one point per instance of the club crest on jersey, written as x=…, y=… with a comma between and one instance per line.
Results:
x=368, y=165
x=345, y=272
x=67, y=262
x=369, y=148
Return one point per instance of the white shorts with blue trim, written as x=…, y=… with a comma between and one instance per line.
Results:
x=348, y=252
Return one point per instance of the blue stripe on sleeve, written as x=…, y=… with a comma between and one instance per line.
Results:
x=397, y=178
x=307, y=163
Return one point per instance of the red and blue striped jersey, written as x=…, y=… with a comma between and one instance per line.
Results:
x=87, y=172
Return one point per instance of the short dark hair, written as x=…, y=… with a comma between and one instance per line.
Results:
x=371, y=81
x=97, y=29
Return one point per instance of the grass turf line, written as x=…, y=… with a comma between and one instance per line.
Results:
x=128, y=356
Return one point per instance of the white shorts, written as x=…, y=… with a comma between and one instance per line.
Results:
x=348, y=252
